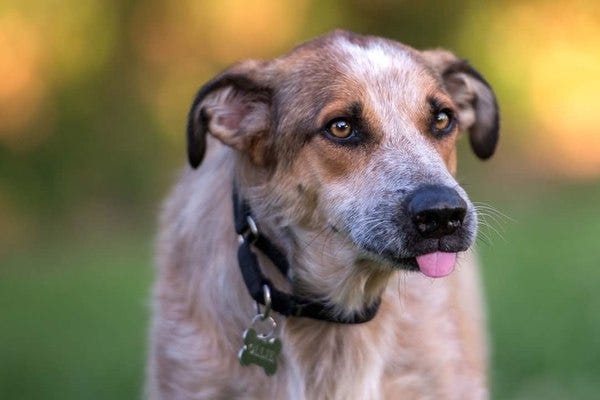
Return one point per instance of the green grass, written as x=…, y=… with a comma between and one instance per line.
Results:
x=73, y=317
x=542, y=285
x=73, y=322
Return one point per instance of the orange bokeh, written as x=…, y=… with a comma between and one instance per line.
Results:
x=548, y=53
x=22, y=89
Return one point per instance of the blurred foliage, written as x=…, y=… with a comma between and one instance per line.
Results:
x=93, y=100
x=94, y=93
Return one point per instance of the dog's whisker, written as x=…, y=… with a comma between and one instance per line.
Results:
x=485, y=224
x=493, y=221
x=492, y=209
x=484, y=238
x=499, y=225
x=499, y=216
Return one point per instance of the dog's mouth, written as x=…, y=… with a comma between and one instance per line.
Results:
x=434, y=265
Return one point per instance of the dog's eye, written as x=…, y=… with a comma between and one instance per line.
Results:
x=340, y=128
x=443, y=122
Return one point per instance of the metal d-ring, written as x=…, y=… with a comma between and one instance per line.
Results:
x=263, y=331
x=267, y=296
x=264, y=314
x=264, y=317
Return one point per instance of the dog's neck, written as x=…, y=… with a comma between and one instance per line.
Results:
x=327, y=267
x=326, y=274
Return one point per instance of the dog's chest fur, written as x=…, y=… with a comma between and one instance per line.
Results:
x=413, y=346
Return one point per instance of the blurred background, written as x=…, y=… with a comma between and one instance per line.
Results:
x=93, y=101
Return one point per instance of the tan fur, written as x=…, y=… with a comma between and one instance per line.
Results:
x=427, y=340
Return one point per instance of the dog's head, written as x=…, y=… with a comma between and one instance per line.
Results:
x=356, y=135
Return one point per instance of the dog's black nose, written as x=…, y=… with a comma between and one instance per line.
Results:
x=436, y=210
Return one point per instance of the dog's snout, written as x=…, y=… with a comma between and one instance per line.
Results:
x=436, y=211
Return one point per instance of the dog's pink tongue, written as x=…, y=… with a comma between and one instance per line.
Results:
x=436, y=265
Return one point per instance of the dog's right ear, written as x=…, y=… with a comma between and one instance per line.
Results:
x=234, y=107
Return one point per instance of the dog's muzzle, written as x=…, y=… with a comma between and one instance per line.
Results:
x=436, y=212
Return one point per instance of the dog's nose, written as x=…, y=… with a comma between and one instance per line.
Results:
x=436, y=210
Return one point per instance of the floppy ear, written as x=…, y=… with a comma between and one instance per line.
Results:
x=478, y=109
x=234, y=107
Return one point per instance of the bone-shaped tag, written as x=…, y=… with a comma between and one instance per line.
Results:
x=261, y=351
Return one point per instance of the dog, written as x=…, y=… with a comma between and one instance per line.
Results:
x=315, y=233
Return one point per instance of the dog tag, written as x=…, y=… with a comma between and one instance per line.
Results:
x=259, y=349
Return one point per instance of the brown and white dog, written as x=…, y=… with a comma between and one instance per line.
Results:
x=344, y=150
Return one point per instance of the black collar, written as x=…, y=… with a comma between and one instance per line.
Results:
x=284, y=303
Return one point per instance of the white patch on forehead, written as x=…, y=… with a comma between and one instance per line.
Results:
x=377, y=57
x=387, y=73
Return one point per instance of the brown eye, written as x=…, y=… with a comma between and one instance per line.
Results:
x=340, y=128
x=442, y=121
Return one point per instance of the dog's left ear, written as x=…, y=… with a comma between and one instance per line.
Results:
x=235, y=108
x=478, y=109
